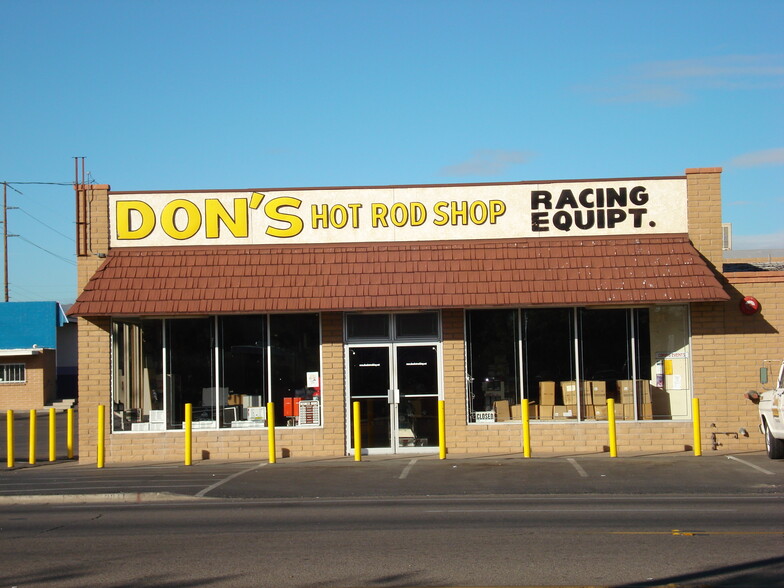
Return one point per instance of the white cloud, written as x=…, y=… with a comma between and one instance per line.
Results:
x=758, y=158
x=673, y=82
x=769, y=241
x=724, y=67
x=487, y=162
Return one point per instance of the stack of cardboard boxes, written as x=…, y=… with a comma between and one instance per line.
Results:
x=594, y=400
x=628, y=391
x=549, y=410
x=558, y=401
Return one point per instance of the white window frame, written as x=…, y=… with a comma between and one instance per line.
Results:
x=8, y=370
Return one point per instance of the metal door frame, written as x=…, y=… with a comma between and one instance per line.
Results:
x=393, y=395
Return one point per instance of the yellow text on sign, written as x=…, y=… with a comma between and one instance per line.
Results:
x=182, y=219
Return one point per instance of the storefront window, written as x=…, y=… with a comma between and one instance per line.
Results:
x=191, y=373
x=138, y=375
x=294, y=347
x=243, y=353
x=367, y=326
x=607, y=338
x=668, y=363
x=548, y=360
x=417, y=325
x=492, y=364
x=227, y=368
x=638, y=357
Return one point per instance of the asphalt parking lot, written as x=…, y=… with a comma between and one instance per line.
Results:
x=397, y=476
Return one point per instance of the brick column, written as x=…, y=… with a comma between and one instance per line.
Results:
x=94, y=384
x=92, y=230
x=704, y=209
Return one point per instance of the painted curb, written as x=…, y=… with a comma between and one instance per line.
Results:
x=116, y=497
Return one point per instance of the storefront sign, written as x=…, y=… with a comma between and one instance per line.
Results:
x=579, y=209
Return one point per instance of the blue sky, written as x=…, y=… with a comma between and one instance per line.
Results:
x=255, y=94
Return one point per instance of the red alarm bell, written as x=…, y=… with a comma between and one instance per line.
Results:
x=749, y=305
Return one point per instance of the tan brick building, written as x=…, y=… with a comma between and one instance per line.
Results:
x=562, y=294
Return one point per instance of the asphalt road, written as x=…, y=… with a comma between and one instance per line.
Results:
x=716, y=520
x=435, y=541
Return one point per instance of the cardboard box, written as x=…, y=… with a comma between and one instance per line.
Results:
x=234, y=399
x=626, y=389
x=631, y=391
x=569, y=392
x=628, y=411
x=598, y=392
x=644, y=390
x=619, y=411
x=564, y=411
x=547, y=393
x=502, y=410
x=646, y=411
x=600, y=412
x=517, y=411
x=546, y=412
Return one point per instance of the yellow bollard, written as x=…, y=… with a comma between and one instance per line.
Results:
x=188, y=424
x=9, y=430
x=695, y=408
x=69, y=435
x=526, y=413
x=271, y=431
x=52, y=435
x=611, y=425
x=441, y=429
x=357, y=431
x=101, y=434
x=33, y=423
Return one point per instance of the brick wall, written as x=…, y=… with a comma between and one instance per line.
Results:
x=39, y=387
x=728, y=348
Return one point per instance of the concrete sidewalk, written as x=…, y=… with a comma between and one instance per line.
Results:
x=396, y=477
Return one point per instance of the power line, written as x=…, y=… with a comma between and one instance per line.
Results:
x=73, y=263
x=39, y=184
x=44, y=224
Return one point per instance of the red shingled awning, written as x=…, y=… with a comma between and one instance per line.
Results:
x=388, y=276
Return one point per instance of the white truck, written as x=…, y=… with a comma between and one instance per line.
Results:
x=771, y=413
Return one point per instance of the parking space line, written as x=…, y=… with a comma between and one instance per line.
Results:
x=751, y=465
x=404, y=473
x=228, y=478
x=578, y=467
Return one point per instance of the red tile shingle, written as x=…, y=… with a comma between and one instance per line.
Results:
x=389, y=276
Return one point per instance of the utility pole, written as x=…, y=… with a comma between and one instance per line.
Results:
x=5, y=238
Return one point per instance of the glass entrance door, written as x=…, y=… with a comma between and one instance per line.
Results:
x=416, y=368
x=370, y=374
x=397, y=390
